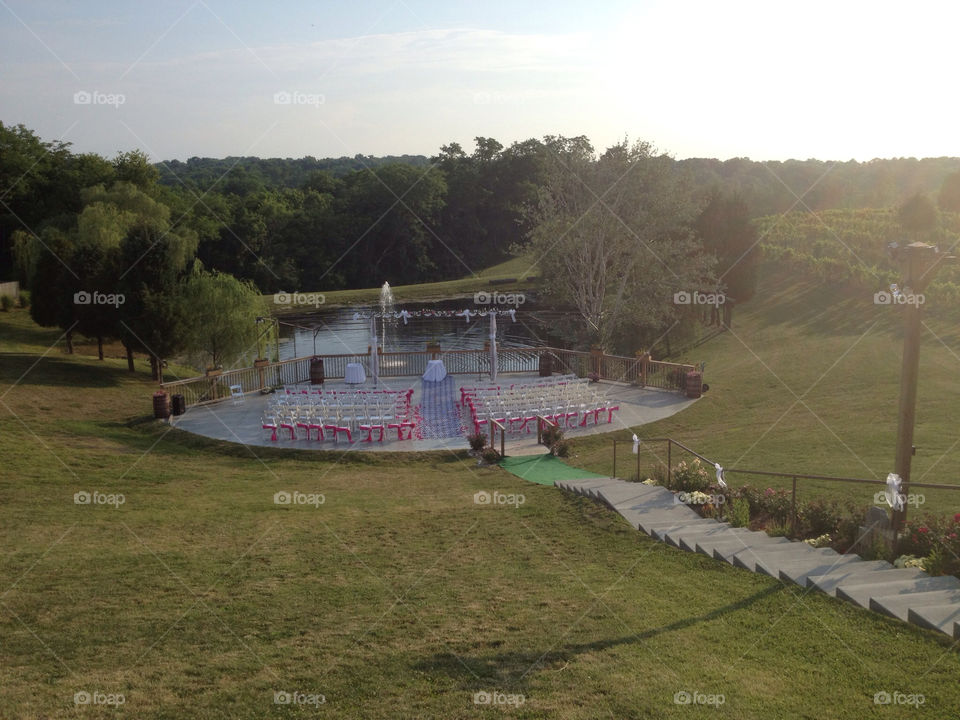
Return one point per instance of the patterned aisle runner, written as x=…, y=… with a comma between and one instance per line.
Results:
x=438, y=411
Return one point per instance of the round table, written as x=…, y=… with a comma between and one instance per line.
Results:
x=355, y=374
x=435, y=371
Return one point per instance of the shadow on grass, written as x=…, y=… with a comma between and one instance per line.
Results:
x=509, y=670
x=58, y=372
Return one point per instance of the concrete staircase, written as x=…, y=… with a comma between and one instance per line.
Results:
x=907, y=594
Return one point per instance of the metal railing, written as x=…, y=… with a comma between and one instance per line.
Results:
x=794, y=477
x=639, y=370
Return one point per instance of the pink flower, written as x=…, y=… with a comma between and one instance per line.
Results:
x=956, y=518
x=923, y=529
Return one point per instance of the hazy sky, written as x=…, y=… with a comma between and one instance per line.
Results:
x=832, y=80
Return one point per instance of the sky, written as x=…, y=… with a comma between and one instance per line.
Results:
x=835, y=80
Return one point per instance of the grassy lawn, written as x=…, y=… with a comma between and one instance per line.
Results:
x=200, y=597
x=514, y=275
x=807, y=381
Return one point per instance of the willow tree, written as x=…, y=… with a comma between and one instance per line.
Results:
x=612, y=237
x=223, y=316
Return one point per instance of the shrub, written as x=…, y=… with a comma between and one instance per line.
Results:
x=6, y=302
x=551, y=435
x=739, y=515
x=490, y=455
x=477, y=441
x=817, y=518
x=24, y=298
x=690, y=478
x=561, y=448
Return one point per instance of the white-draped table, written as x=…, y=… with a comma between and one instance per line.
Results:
x=355, y=374
x=435, y=371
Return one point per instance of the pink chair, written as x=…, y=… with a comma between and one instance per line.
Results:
x=610, y=411
x=270, y=426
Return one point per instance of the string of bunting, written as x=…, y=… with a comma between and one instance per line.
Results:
x=405, y=315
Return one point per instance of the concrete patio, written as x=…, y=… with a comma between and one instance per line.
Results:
x=239, y=422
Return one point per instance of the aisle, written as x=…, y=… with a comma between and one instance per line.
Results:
x=438, y=412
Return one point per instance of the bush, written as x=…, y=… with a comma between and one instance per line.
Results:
x=817, y=518
x=551, y=435
x=561, y=448
x=689, y=478
x=6, y=302
x=24, y=298
x=477, y=441
x=739, y=515
x=490, y=455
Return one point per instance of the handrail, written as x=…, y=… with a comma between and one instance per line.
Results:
x=541, y=421
x=503, y=433
x=769, y=473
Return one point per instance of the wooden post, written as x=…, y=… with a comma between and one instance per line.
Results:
x=669, y=462
x=503, y=437
x=793, y=509
x=614, y=474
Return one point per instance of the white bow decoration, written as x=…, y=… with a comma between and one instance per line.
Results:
x=893, y=495
x=405, y=315
x=467, y=314
x=512, y=314
x=636, y=445
x=720, y=481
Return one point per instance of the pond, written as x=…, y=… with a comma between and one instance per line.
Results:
x=338, y=332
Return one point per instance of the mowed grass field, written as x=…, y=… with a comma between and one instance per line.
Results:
x=398, y=596
x=807, y=380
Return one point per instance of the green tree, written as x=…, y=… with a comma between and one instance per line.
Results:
x=918, y=216
x=222, y=320
x=725, y=230
x=949, y=196
x=613, y=236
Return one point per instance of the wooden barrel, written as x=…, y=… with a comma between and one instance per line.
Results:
x=316, y=371
x=693, y=384
x=161, y=405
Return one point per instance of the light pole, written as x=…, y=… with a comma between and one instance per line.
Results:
x=919, y=262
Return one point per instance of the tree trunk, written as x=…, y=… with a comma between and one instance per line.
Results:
x=69, y=342
x=154, y=365
x=129, y=357
x=100, y=346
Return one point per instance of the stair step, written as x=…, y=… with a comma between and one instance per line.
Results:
x=797, y=572
x=937, y=617
x=663, y=533
x=860, y=594
x=688, y=540
x=900, y=605
x=869, y=571
x=750, y=559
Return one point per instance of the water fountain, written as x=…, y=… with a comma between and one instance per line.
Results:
x=386, y=306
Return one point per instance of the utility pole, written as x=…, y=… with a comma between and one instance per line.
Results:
x=919, y=261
